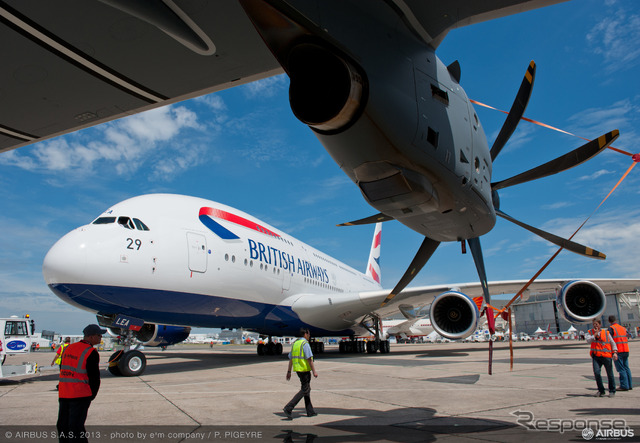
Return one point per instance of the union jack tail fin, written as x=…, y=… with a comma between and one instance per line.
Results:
x=373, y=266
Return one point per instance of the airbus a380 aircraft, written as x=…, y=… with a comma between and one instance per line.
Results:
x=159, y=260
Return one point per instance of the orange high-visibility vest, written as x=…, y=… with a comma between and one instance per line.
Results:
x=601, y=347
x=74, y=381
x=620, y=337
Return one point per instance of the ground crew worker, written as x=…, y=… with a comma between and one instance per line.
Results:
x=603, y=349
x=58, y=357
x=79, y=384
x=301, y=361
x=620, y=337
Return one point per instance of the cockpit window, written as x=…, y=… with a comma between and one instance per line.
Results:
x=104, y=220
x=139, y=225
x=126, y=222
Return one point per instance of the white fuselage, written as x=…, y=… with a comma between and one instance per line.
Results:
x=188, y=261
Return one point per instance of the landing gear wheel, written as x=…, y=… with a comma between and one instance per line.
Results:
x=113, y=363
x=262, y=349
x=278, y=349
x=132, y=364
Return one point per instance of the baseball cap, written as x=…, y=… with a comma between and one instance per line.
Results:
x=93, y=330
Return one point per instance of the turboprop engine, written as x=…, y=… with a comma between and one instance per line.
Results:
x=454, y=315
x=580, y=301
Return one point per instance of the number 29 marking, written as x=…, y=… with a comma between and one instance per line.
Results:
x=134, y=244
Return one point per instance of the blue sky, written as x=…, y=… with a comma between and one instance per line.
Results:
x=243, y=147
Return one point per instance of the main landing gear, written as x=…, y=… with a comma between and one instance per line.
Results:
x=354, y=346
x=270, y=348
x=274, y=348
x=127, y=362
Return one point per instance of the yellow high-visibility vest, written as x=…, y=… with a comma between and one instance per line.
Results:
x=300, y=364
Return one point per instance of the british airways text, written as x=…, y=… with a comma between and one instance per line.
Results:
x=275, y=257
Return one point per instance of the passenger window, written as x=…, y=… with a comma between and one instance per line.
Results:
x=139, y=225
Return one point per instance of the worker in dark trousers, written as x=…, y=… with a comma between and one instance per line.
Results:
x=603, y=350
x=620, y=336
x=301, y=361
x=79, y=385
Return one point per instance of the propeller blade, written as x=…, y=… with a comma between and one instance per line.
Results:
x=516, y=112
x=427, y=248
x=559, y=241
x=476, y=251
x=567, y=161
x=377, y=218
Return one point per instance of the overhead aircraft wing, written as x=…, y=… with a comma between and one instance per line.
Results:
x=71, y=64
x=340, y=311
x=431, y=20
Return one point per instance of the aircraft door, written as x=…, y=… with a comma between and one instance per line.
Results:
x=286, y=280
x=197, y=247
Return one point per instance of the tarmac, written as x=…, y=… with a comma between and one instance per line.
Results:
x=417, y=393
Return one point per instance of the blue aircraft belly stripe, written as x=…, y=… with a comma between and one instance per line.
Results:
x=197, y=310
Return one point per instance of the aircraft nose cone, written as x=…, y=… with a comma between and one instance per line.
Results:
x=66, y=260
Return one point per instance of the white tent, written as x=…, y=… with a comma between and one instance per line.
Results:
x=572, y=329
x=539, y=331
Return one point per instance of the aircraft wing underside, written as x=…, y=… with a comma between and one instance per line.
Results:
x=72, y=64
x=346, y=310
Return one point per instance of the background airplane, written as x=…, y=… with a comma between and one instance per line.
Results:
x=152, y=266
x=466, y=77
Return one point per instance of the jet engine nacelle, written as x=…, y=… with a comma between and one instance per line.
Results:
x=454, y=315
x=161, y=335
x=326, y=90
x=580, y=301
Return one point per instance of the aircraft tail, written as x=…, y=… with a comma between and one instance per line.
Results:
x=373, y=266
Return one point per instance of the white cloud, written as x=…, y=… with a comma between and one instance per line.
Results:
x=615, y=233
x=558, y=205
x=622, y=115
x=126, y=144
x=327, y=189
x=213, y=101
x=595, y=175
x=267, y=87
x=617, y=38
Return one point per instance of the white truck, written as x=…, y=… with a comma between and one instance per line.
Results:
x=15, y=338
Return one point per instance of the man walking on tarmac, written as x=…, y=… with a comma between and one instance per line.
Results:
x=301, y=361
x=619, y=335
x=79, y=384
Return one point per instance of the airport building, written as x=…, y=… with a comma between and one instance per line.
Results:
x=540, y=311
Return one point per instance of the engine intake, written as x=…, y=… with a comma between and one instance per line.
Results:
x=326, y=91
x=454, y=315
x=580, y=301
x=162, y=335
